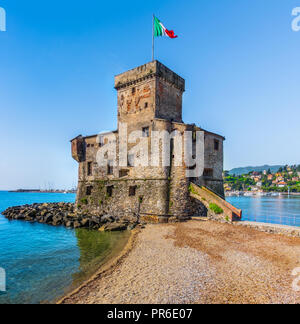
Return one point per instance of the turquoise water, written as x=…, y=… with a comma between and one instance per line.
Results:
x=277, y=210
x=43, y=262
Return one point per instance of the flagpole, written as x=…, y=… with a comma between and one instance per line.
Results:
x=153, y=39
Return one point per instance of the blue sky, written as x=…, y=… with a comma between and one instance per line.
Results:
x=240, y=59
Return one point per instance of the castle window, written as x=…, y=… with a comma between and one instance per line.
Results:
x=123, y=173
x=89, y=190
x=101, y=141
x=110, y=169
x=172, y=144
x=89, y=169
x=208, y=173
x=132, y=191
x=216, y=145
x=146, y=104
x=133, y=90
x=194, y=136
x=130, y=160
x=109, y=191
x=146, y=132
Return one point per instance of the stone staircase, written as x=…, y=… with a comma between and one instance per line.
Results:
x=208, y=198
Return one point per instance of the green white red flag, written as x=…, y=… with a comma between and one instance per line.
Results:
x=161, y=30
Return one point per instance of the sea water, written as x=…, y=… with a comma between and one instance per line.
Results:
x=276, y=210
x=43, y=262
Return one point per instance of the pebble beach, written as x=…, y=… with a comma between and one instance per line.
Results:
x=199, y=262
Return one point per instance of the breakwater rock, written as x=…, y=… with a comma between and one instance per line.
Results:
x=64, y=214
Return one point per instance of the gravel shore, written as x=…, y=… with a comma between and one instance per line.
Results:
x=200, y=262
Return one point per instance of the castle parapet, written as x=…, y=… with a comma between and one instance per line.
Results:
x=147, y=71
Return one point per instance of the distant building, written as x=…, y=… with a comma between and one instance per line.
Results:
x=282, y=184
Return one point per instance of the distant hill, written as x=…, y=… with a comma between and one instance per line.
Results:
x=245, y=170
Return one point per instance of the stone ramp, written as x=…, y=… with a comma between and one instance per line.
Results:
x=207, y=197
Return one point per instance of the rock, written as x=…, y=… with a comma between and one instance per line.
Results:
x=107, y=219
x=114, y=227
x=96, y=220
x=44, y=212
x=52, y=214
x=48, y=218
x=132, y=226
x=20, y=216
x=76, y=224
x=69, y=224
x=85, y=222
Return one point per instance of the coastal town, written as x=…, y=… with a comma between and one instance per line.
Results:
x=286, y=180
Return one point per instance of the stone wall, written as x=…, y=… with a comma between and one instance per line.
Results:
x=148, y=196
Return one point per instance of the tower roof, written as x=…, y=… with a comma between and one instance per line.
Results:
x=146, y=71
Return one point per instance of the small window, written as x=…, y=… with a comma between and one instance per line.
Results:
x=110, y=169
x=216, y=145
x=89, y=169
x=208, y=173
x=194, y=136
x=123, y=173
x=172, y=144
x=101, y=141
x=132, y=191
x=146, y=132
x=146, y=104
x=133, y=91
x=131, y=160
x=89, y=190
x=109, y=191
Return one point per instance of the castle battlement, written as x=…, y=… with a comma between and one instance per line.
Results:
x=153, y=69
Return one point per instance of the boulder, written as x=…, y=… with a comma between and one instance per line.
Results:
x=107, y=219
x=85, y=222
x=114, y=227
x=48, y=218
x=76, y=224
x=69, y=224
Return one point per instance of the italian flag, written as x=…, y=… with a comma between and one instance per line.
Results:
x=161, y=30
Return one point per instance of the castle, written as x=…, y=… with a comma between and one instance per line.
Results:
x=149, y=99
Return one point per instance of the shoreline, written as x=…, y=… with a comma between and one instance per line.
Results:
x=105, y=269
x=196, y=262
x=272, y=194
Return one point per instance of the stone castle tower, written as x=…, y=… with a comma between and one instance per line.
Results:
x=149, y=99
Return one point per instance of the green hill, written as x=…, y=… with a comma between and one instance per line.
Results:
x=245, y=170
